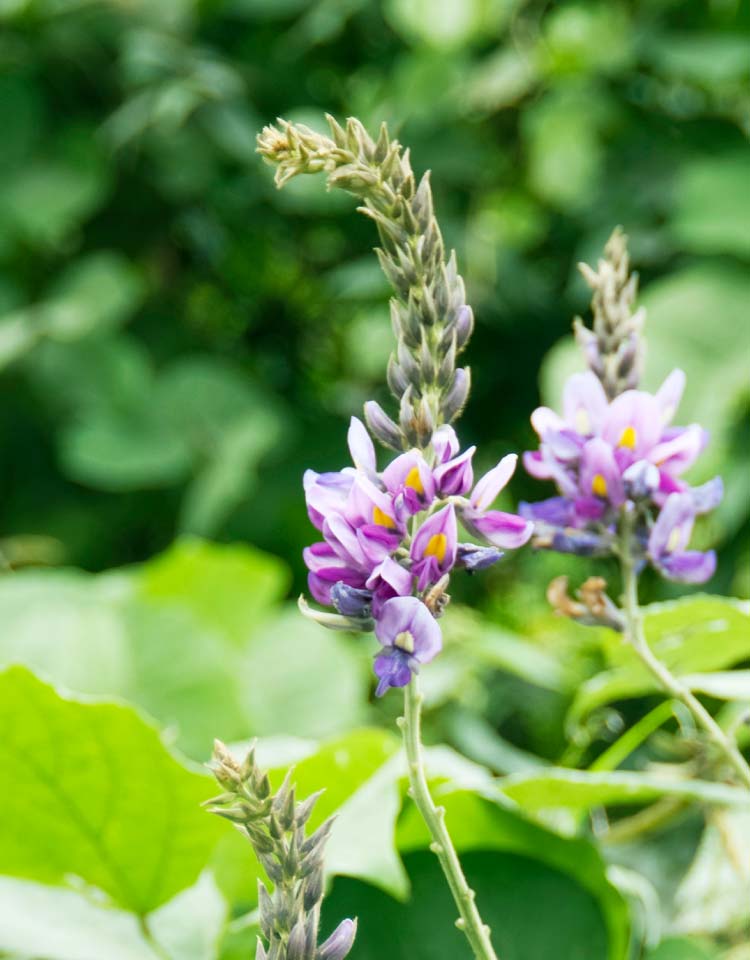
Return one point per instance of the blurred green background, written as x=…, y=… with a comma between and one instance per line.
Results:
x=179, y=341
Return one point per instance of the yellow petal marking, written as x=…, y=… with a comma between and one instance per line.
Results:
x=628, y=438
x=582, y=421
x=674, y=540
x=382, y=519
x=414, y=481
x=404, y=641
x=599, y=485
x=437, y=546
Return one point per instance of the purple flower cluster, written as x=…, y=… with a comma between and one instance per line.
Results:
x=605, y=456
x=390, y=539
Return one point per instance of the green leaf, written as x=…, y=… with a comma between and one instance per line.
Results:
x=229, y=587
x=303, y=680
x=724, y=684
x=580, y=789
x=676, y=948
x=712, y=206
x=94, y=793
x=714, y=894
x=541, y=862
x=60, y=924
x=697, y=634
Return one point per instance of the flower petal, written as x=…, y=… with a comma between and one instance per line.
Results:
x=490, y=485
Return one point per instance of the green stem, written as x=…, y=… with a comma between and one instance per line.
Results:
x=469, y=921
x=674, y=687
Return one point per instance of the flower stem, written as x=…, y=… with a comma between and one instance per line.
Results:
x=671, y=684
x=469, y=921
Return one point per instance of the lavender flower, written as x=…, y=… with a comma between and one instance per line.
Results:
x=409, y=635
x=393, y=536
x=614, y=452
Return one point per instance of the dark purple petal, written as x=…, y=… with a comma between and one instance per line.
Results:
x=393, y=669
x=580, y=542
x=351, y=601
x=455, y=477
x=557, y=511
x=690, y=566
x=472, y=557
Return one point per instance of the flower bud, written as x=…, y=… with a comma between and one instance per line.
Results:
x=454, y=400
x=472, y=557
x=382, y=427
x=351, y=601
x=338, y=945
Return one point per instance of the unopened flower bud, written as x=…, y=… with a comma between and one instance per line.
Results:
x=454, y=400
x=382, y=427
x=472, y=557
x=338, y=945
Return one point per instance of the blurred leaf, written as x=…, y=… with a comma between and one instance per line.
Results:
x=709, y=58
x=715, y=893
x=712, y=206
x=444, y=24
x=582, y=37
x=95, y=293
x=303, y=680
x=726, y=685
x=697, y=634
x=60, y=924
x=581, y=789
x=677, y=949
x=501, y=79
x=229, y=588
x=97, y=795
x=46, y=199
x=125, y=450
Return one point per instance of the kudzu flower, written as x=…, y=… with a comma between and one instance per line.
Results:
x=603, y=455
x=668, y=540
x=613, y=453
x=409, y=634
x=390, y=542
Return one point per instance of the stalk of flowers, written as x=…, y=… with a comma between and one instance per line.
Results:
x=390, y=537
x=390, y=543
x=618, y=465
x=275, y=825
x=430, y=318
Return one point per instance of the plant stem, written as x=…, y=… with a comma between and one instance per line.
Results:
x=671, y=684
x=469, y=921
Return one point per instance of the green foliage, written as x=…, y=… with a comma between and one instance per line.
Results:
x=82, y=798
x=178, y=342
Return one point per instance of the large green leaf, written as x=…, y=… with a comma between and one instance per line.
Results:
x=61, y=924
x=581, y=789
x=94, y=793
x=228, y=587
x=712, y=205
x=697, y=634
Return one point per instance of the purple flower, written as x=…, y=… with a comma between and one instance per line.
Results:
x=668, y=541
x=445, y=443
x=504, y=530
x=433, y=550
x=455, y=477
x=472, y=557
x=409, y=635
x=389, y=579
x=409, y=481
x=340, y=942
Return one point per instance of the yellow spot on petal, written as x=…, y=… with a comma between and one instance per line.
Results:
x=599, y=485
x=405, y=641
x=582, y=421
x=414, y=481
x=628, y=438
x=437, y=546
x=674, y=540
x=382, y=519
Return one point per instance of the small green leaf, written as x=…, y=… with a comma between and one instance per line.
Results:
x=92, y=792
x=229, y=587
x=697, y=634
x=580, y=789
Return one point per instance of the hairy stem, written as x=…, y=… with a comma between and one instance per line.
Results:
x=469, y=921
x=667, y=681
